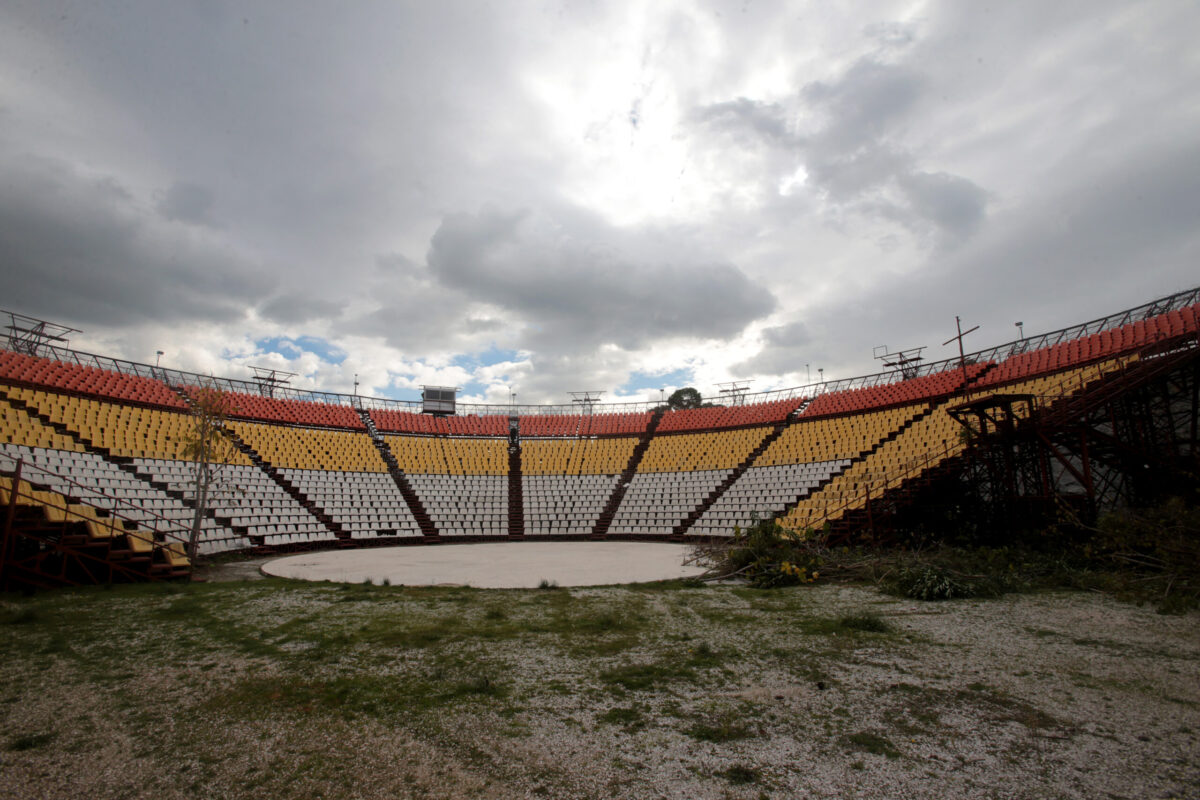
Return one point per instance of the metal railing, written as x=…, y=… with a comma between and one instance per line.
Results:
x=179, y=378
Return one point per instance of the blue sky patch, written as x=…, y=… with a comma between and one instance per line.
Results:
x=294, y=348
x=646, y=381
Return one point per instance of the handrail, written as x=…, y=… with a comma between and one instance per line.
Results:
x=179, y=378
x=27, y=466
x=919, y=465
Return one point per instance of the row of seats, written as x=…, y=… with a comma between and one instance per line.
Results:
x=808, y=441
x=122, y=430
x=100, y=528
x=688, y=452
x=607, y=456
x=366, y=504
x=439, y=454
x=465, y=425
x=926, y=387
x=1106, y=344
x=762, y=493
x=294, y=412
x=465, y=505
x=93, y=481
x=655, y=502
x=564, y=504
x=311, y=448
x=717, y=417
x=21, y=369
x=247, y=497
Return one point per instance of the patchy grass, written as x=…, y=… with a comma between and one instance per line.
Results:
x=874, y=743
x=31, y=741
x=303, y=690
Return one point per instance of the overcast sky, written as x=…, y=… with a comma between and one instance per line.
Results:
x=615, y=196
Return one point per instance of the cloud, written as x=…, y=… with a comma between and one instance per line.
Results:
x=785, y=350
x=80, y=247
x=187, y=202
x=577, y=283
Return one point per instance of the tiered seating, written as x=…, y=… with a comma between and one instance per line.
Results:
x=466, y=425
x=17, y=427
x=294, y=412
x=763, y=492
x=698, y=419
x=17, y=368
x=925, y=444
x=122, y=430
x=442, y=455
x=615, y=424
x=927, y=387
x=576, y=456
x=656, y=502
x=558, y=504
x=249, y=498
x=810, y=441
x=1098, y=346
x=98, y=530
x=93, y=481
x=308, y=448
x=550, y=425
x=367, y=504
x=464, y=505
x=700, y=451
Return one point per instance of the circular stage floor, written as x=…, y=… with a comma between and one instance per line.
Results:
x=499, y=565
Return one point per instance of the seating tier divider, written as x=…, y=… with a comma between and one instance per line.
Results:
x=415, y=506
x=605, y=519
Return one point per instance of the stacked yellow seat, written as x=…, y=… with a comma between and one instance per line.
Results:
x=926, y=443
x=809, y=441
x=607, y=456
x=18, y=427
x=700, y=451
x=311, y=448
x=123, y=430
x=475, y=456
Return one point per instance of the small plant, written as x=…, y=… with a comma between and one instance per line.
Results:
x=931, y=582
x=868, y=742
x=866, y=621
x=547, y=584
x=767, y=555
x=740, y=774
x=31, y=741
x=22, y=616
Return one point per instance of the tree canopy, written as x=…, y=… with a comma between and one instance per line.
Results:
x=687, y=397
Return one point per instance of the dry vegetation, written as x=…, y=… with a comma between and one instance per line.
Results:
x=275, y=689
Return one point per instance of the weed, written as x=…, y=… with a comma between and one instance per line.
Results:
x=629, y=718
x=721, y=725
x=740, y=774
x=866, y=621
x=636, y=677
x=21, y=616
x=31, y=741
x=873, y=743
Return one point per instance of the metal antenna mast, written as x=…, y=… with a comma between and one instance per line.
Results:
x=268, y=379
x=962, y=358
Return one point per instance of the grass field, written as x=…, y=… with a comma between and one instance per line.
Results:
x=269, y=688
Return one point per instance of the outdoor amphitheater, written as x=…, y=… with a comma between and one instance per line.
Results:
x=502, y=601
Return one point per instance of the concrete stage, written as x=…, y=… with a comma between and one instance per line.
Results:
x=493, y=565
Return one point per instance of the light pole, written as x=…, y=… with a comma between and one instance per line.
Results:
x=1020, y=330
x=821, y=372
x=807, y=374
x=356, y=384
x=158, y=354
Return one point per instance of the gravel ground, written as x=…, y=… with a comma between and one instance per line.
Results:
x=276, y=689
